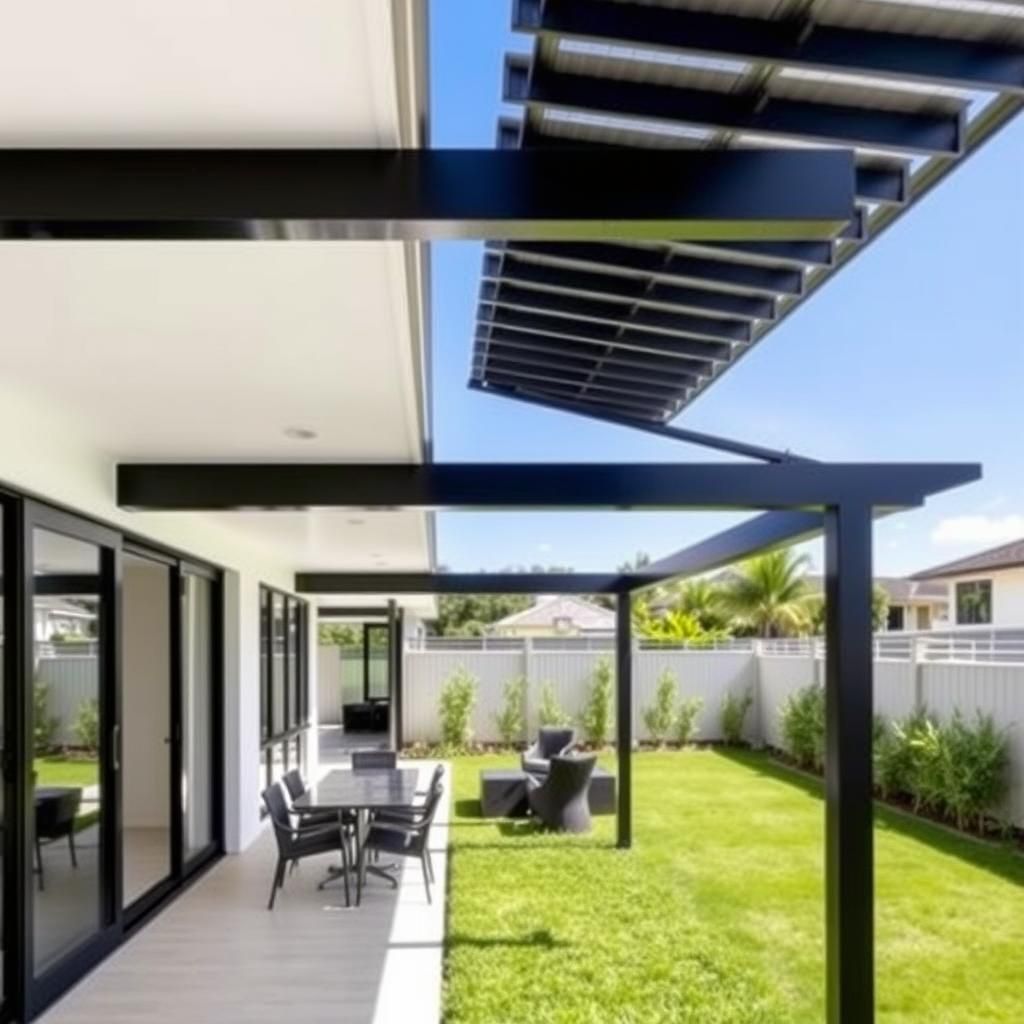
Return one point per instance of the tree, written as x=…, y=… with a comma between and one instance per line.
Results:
x=769, y=596
x=673, y=626
x=702, y=599
x=336, y=634
x=470, y=614
x=879, y=611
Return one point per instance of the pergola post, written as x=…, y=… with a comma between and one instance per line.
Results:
x=397, y=679
x=393, y=729
x=849, y=844
x=624, y=719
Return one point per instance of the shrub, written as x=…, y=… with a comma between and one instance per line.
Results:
x=734, y=715
x=44, y=725
x=87, y=725
x=971, y=767
x=597, y=715
x=802, y=722
x=895, y=758
x=549, y=711
x=511, y=719
x=458, y=698
x=661, y=714
x=686, y=720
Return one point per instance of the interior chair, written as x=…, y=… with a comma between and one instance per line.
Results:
x=407, y=839
x=560, y=800
x=296, y=843
x=374, y=760
x=56, y=811
x=552, y=741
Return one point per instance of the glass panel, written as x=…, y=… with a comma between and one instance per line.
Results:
x=68, y=723
x=292, y=671
x=264, y=664
x=277, y=765
x=277, y=664
x=378, y=683
x=197, y=705
x=145, y=725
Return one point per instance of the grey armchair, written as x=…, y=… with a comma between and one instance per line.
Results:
x=560, y=800
x=552, y=741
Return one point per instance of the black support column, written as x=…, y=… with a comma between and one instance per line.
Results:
x=624, y=719
x=849, y=843
x=392, y=631
x=397, y=676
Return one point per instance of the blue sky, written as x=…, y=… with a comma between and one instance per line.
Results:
x=914, y=352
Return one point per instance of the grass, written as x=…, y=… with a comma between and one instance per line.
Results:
x=56, y=770
x=716, y=915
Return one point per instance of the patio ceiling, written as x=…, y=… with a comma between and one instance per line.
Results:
x=635, y=332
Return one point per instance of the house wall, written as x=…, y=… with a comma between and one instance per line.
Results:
x=1007, y=596
x=50, y=462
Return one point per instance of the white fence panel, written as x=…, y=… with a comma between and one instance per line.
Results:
x=780, y=676
x=570, y=675
x=425, y=674
x=70, y=682
x=996, y=690
x=708, y=675
x=340, y=680
x=894, y=695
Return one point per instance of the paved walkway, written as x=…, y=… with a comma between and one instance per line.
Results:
x=217, y=955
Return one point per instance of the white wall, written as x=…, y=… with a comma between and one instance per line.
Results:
x=1007, y=597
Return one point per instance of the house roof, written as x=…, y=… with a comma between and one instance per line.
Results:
x=583, y=614
x=900, y=589
x=1006, y=556
x=637, y=331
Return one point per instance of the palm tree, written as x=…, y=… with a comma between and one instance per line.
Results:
x=702, y=598
x=769, y=595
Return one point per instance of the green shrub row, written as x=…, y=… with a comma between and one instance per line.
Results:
x=666, y=718
x=955, y=769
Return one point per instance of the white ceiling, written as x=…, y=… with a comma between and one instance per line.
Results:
x=213, y=350
x=198, y=72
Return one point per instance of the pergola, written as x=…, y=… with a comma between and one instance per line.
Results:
x=559, y=234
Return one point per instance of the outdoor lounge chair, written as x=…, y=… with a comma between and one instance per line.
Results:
x=552, y=741
x=294, y=844
x=560, y=801
x=56, y=810
x=407, y=839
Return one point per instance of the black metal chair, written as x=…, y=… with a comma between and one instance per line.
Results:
x=408, y=839
x=374, y=760
x=296, y=787
x=552, y=741
x=402, y=815
x=56, y=811
x=560, y=801
x=296, y=843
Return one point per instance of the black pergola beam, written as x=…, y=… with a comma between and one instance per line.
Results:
x=328, y=612
x=607, y=333
x=762, y=533
x=540, y=87
x=664, y=430
x=883, y=181
x=423, y=194
x=680, y=298
x=624, y=720
x=972, y=64
x=510, y=486
x=615, y=312
x=455, y=583
x=630, y=259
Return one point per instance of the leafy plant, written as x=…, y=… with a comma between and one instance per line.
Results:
x=686, y=720
x=511, y=719
x=734, y=715
x=802, y=722
x=549, y=711
x=458, y=698
x=674, y=626
x=44, y=725
x=895, y=756
x=660, y=715
x=86, y=726
x=599, y=711
x=769, y=596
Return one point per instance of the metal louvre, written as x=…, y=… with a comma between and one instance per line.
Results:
x=639, y=331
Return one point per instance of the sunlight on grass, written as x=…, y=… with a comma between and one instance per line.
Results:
x=63, y=771
x=716, y=915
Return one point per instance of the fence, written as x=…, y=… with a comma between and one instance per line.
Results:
x=942, y=672
x=70, y=681
x=340, y=679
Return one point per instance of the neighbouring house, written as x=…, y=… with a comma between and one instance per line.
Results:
x=985, y=589
x=913, y=604
x=56, y=617
x=557, y=616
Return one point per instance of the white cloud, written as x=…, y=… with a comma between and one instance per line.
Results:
x=978, y=529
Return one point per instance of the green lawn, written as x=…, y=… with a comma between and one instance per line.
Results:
x=716, y=914
x=62, y=771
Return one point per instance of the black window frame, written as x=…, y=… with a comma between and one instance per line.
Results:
x=973, y=617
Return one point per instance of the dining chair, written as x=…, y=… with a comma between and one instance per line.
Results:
x=296, y=843
x=374, y=760
x=296, y=787
x=408, y=839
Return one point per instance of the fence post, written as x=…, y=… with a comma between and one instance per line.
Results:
x=812, y=648
x=917, y=656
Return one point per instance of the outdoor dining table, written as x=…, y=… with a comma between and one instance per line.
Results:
x=360, y=792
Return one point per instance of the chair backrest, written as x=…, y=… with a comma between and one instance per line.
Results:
x=294, y=784
x=435, y=779
x=56, y=813
x=374, y=760
x=554, y=740
x=569, y=776
x=277, y=808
